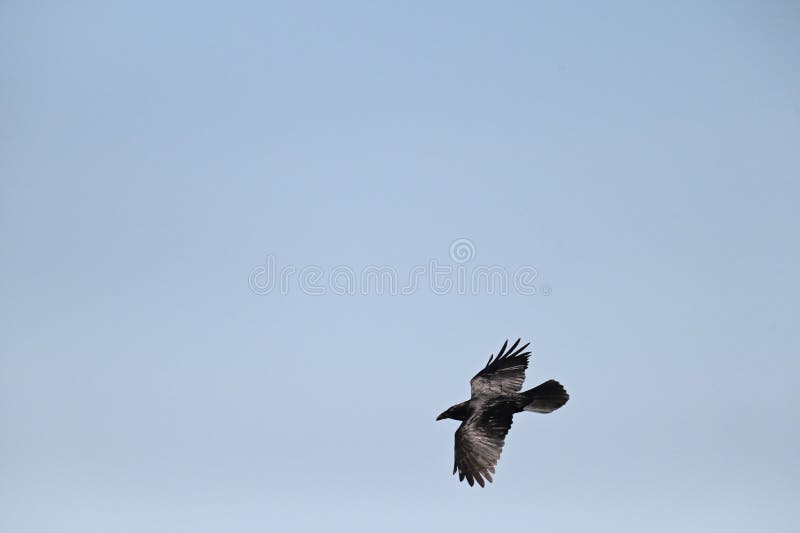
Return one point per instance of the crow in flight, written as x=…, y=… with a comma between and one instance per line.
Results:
x=486, y=416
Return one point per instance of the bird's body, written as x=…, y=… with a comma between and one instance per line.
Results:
x=487, y=416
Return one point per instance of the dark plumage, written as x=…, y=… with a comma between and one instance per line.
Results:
x=486, y=417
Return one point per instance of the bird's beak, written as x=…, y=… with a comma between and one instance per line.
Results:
x=441, y=417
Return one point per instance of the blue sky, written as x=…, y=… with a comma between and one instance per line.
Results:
x=643, y=159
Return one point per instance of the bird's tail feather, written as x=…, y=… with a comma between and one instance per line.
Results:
x=546, y=398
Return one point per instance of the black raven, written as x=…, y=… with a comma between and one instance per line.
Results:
x=486, y=416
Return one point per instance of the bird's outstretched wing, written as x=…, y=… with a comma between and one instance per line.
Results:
x=479, y=441
x=504, y=373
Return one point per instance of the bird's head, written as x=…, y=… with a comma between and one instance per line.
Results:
x=456, y=412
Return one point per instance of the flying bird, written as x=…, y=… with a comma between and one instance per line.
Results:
x=486, y=417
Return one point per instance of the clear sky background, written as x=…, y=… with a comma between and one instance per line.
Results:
x=645, y=159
